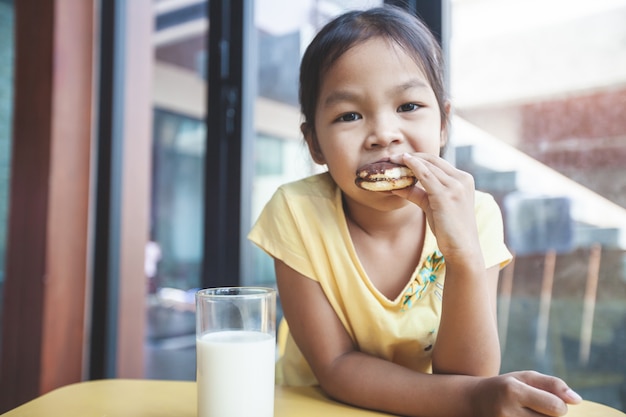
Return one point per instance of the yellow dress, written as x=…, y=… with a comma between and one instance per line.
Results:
x=304, y=226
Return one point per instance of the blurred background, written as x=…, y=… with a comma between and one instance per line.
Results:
x=140, y=139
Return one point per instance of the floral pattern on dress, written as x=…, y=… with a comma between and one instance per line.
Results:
x=426, y=277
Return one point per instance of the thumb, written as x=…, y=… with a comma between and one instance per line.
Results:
x=415, y=195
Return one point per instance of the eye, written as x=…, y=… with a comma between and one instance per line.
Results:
x=349, y=117
x=408, y=107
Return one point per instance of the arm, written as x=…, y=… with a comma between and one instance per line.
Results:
x=467, y=341
x=359, y=379
x=349, y=375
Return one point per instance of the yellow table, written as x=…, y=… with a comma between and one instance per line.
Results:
x=150, y=398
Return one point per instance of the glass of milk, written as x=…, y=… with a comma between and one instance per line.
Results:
x=236, y=351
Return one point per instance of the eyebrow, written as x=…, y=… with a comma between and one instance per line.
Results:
x=343, y=95
x=338, y=97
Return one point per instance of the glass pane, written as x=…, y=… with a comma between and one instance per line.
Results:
x=6, y=112
x=284, y=28
x=540, y=101
x=174, y=253
x=173, y=264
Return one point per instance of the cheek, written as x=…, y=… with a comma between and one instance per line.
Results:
x=338, y=149
x=342, y=167
x=428, y=140
x=338, y=165
x=343, y=176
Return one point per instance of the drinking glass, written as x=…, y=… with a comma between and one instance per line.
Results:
x=236, y=351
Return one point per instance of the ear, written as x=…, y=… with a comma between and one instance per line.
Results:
x=445, y=125
x=311, y=140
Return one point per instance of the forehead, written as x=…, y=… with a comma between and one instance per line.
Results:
x=376, y=62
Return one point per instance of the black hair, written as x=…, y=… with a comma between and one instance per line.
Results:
x=354, y=27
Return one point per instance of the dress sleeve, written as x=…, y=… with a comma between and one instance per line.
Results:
x=278, y=233
x=491, y=231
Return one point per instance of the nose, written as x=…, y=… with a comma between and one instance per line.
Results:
x=384, y=131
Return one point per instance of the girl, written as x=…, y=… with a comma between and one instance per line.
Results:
x=361, y=274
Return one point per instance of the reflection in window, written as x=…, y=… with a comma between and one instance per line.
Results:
x=174, y=254
x=6, y=111
x=540, y=124
x=177, y=223
x=283, y=29
x=269, y=157
x=277, y=161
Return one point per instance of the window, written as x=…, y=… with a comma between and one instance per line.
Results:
x=175, y=249
x=282, y=28
x=539, y=97
x=6, y=100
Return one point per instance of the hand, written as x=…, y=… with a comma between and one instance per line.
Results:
x=526, y=393
x=446, y=195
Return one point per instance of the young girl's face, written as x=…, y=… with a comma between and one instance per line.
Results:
x=374, y=102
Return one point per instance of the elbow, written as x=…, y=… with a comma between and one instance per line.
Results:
x=332, y=379
x=331, y=391
x=335, y=390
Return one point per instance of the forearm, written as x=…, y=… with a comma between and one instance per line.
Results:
x=369, y=382
x=467, y=341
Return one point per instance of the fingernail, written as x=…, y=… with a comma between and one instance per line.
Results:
x=573, y=395
x=407, y=155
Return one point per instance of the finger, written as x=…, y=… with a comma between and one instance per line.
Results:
x=431, y=160
x=543, y=402
x=550, y=384
x=428, y=174
x=415, y=194
x=397, y=158
x=435, y=172
x=426, y=167
x=510, y=395
x=446, y=191
x=545, y=394
x=434, y=159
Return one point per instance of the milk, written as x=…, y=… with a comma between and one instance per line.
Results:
x=235, y=374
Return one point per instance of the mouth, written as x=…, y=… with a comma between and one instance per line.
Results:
x=384, y=176
x=385, y=159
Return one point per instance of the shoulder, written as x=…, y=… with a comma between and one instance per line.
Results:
x=317, y=193
x=301, y=201
x=486, y=206
x=291, y=225
x=319, y=186
x=491, y=230
x=483, y=199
